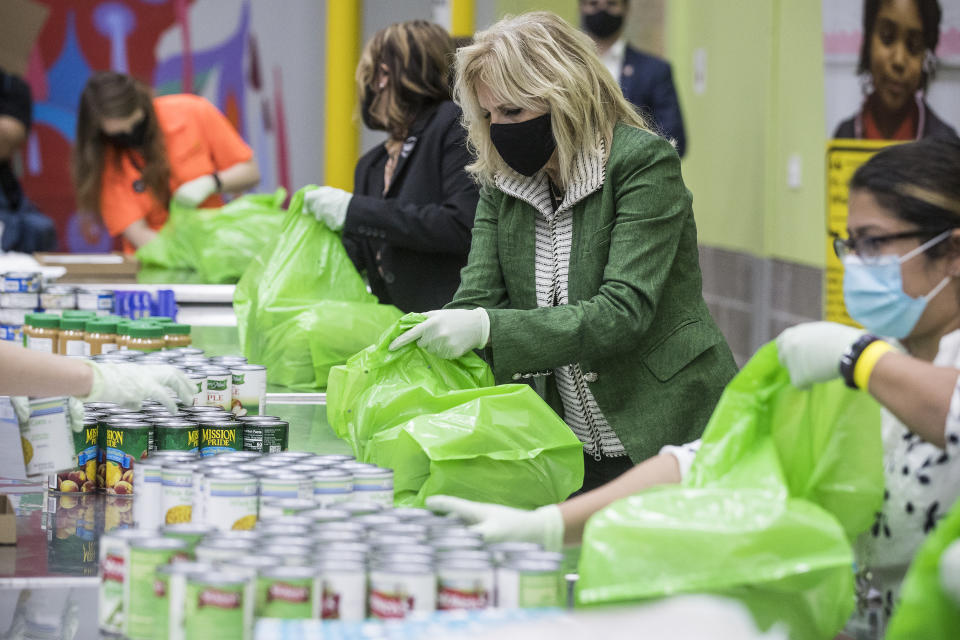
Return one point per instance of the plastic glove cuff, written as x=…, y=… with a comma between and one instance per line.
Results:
x=552, y=523
x=484, y=328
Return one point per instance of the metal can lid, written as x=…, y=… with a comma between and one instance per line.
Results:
x=345, y=545
x=379, y=472
x=234, y=534
x=403, y=528
x=516, y=546
x=404, y=568
x=170, y=455
x=174, y=423
x=456, y=543
x=287, y=520
x=218, y=578
x=229, y=474
x=258, y=561
x=359, y=508
x=333, y=565
x=283, y=572
x=158, y=542
x=185, y=568
x=329, y=535
x=228, y=544
x=392, y=540
x=288, y=455
x=126, y=423
x=463, y=564
x=188, y=528
x=412, y=513
x=219, y=423
x=518, y=563
x=213, y=371
x=374, y=520
x=260, y=419
x=150, y=462
x=202, y=409
x=129, y=534
x=337, y=457
x=539, y=555
x=465, y=554
x=243, y=368
x=97, y=406
x=304, y=549
x=332, y=475
x=358, y=530
x=245, y=456
x=196, y=375
x=281, y=474
x=353, y=465
x=293, y=504
x=418, y=549
x=284, y=540
x=322, y=514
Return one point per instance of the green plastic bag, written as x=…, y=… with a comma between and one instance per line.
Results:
x=217, y=243
x=301, y=305
x=783, y=481
x=444, y=428
x=925, y=611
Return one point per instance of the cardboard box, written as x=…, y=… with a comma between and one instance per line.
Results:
x=8, y=521
x=20, y=24
x=91, y=268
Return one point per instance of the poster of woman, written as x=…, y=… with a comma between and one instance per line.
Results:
x=892, y=69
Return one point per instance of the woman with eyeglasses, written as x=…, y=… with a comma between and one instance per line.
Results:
x=902, y=261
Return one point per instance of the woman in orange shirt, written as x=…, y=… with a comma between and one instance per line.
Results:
x=134, y=152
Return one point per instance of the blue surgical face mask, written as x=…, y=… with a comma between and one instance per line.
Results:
x=874, y=295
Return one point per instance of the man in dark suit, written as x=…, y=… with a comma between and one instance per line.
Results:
x=646, y=80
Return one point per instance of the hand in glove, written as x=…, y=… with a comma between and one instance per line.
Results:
x=449, y=333
x=328, y=205
x=129, y=385
x=811, y=351
x=193, y=192
x=498, y=523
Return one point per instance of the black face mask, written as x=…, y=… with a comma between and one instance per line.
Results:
x=525, y=146
x=602, y=24
x=129, y=139
x=369, y=95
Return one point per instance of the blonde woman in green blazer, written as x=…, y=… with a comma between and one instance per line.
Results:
x=583, y=268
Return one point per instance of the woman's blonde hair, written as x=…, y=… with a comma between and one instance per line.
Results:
x=539, y=62
x=418, y=55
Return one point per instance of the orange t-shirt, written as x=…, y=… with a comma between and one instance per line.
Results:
x=199, y=141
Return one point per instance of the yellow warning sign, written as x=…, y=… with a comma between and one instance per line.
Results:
x=844, y=157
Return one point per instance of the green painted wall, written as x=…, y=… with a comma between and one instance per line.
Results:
x=763, y=103
x=566, y=9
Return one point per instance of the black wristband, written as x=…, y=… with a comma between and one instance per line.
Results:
x=216, y=179
x=848, y=362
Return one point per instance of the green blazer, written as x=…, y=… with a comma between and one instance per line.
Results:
x=636, y=319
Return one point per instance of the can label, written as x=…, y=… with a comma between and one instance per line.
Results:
x=178, y=438
x=177, y=495
x=343, y=597
x=270, y=437
x=83, y=478
x=10, y=333
x=374, y=489
x=327, y=492
x=148, y=487
x=124, y=447
x=200, y=391
x=47, y=440
x=21, y=282
x=395, y=596
x=114, y=558
x=220, y=438
x=161, y=604
x=540, y=590
x=218, y=392
x=249, y=392
x=289, y=598
x=296, y=487
x=230, y=504
x=463, y=590
x=141, y=614
x=213, y=611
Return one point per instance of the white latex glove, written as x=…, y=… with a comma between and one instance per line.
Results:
x=193, y=192
x=129, y=385
x=811, y=351
x=949, y=571
x=497, y=523
x=328, y=205
x=448, y=333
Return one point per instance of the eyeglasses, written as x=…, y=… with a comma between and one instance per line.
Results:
x=867, y=247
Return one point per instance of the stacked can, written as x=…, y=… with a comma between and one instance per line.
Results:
x=19, y=296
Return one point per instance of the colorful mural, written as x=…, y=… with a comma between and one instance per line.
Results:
x=135, y=36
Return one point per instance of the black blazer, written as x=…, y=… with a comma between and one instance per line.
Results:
x=413, y=241
x=647, y=82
